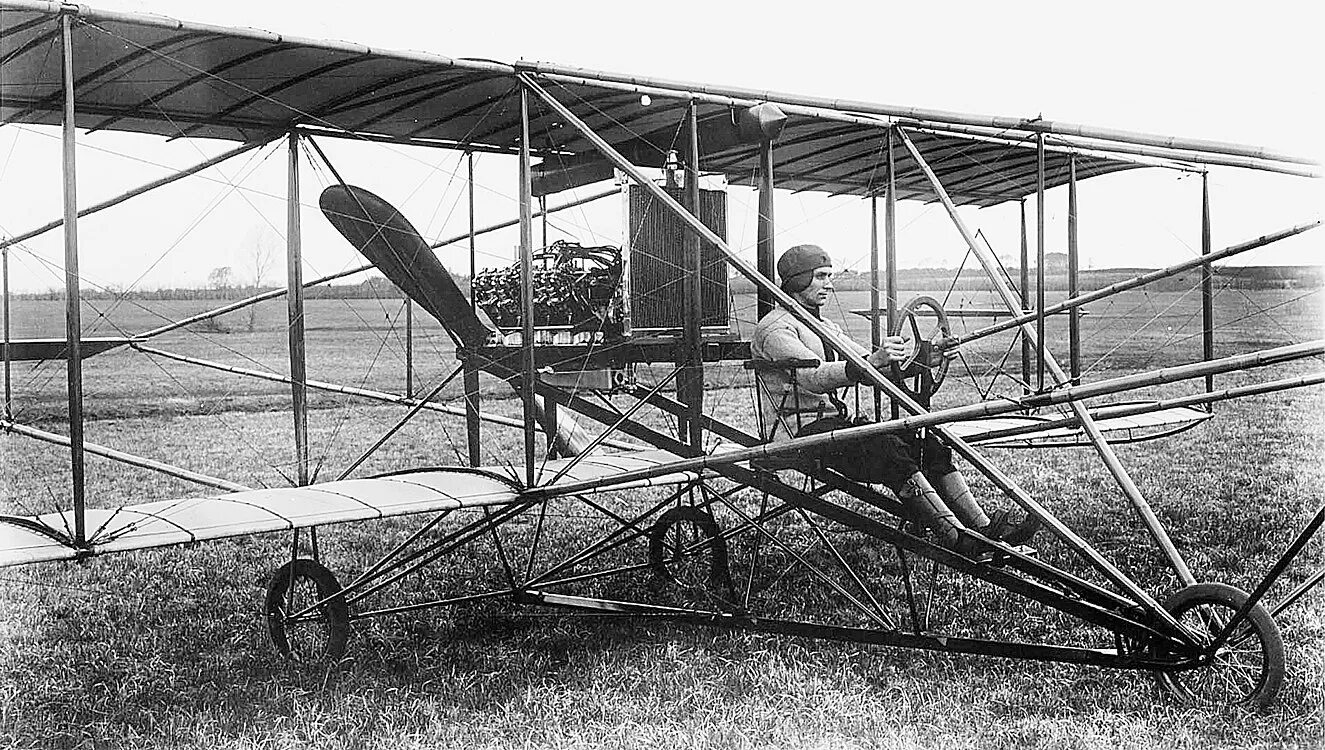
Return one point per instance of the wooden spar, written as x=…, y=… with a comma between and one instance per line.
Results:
x=1039, y=261
x=294, y=272
x=1025, y=301
x=1102, y=447
x=527, y=290
x=870, y=373
x=473, y=408
x=136, y=192
x=125, y=458
x=764, y=251
x=692, y=381
x=371, y=395
x=740, y=95
x=1207, y=282
x=1137, y=281
x=1073, y=264
x=851, y=435
x=73, y=325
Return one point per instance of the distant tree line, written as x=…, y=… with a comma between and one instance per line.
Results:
x=1242, y=277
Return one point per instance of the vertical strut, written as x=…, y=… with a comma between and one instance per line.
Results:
x=890, y=243
x=1025, y=302
x=295, y=313
x=1039, y=261
x=692, y=280
x=876, y=332
x=1207, y=286
x=409, y=346
x=764, y=243
x=527, y=289
x=472, y=428
x=4, y=279
x=1073, y=266
x=73, y=325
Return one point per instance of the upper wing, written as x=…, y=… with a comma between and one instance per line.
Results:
x=168, y=522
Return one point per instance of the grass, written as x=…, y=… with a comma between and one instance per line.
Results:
x=167, y=648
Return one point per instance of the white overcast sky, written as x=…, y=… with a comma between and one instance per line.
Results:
x=1233, y=72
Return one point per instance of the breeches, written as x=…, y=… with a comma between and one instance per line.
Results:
x=885, y=459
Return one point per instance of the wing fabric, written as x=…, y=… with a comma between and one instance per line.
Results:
x=194, y=519
x=1039, y=431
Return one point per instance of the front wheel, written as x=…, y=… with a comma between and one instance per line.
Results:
x=307, y=616
x=1248, y=669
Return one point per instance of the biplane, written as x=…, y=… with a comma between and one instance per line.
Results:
x=611, y=350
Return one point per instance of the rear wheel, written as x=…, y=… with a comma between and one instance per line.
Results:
x=299, y=633
x=1248, y=669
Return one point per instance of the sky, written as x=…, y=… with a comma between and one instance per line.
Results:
x=1198, y=70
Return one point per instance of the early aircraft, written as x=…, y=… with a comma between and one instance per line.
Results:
x=570, y=326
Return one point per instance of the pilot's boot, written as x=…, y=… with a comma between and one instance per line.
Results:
x=953, y=489
x=925, y=504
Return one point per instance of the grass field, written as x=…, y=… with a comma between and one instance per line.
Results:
x=168, y=648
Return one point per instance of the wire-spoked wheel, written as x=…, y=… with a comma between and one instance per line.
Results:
x=686, y=549
x=1247, y=670
x=299, y=630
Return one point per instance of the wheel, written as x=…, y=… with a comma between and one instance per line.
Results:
x=317, y=635
x=1248, y=669
x=907, y=326
x=685, y=548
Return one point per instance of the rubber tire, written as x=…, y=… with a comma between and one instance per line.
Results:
x=719, y=575
x=335, y=613
x=1230, y=599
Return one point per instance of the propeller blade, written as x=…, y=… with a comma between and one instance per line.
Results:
x=384, y=236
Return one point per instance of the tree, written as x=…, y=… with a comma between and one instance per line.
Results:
x=263, y=245
x=221, y=278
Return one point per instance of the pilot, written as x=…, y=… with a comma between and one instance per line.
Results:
x=919, y=471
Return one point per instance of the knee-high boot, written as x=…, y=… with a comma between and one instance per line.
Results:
x=954, y=491
x=925, y=504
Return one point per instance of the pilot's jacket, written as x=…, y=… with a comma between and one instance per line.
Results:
x=780, y=336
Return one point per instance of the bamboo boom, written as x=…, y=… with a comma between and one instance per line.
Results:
x=871, y=375
x=126, y=458
x=851, y=435
x=347, y=390
x=135, y=192
x=1136, y=281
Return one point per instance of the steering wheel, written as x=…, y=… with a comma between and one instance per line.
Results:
x=908, y=327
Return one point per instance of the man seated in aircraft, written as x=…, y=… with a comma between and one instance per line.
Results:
x=919, y=471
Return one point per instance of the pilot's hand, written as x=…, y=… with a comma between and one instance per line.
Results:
x=893, y=349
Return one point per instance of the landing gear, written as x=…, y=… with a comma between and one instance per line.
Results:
x=685, y=548
x=307, y=617
x=1248, y=669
